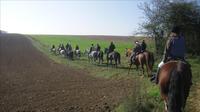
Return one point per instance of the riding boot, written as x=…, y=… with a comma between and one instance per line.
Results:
x=155, y=76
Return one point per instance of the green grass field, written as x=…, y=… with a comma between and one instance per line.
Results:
x=145, y=97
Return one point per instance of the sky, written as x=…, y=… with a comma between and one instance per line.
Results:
x=120, y=17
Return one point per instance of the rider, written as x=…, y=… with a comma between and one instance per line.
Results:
x=92, y=48
x=98, y=48
x=53, y=46
x=143, y=46
x=69, y=47
x=62, y=47
x=77, y=47
x=111, y=48
x=136, y=50
x=174, y=50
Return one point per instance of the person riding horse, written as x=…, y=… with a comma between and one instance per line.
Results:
x=53, y=47
x=62, y=47
x=92, y=48
x=143, y=46
x=98, y=48
x=174, y=50
x=77, y=47
x=111, y=48
x=77, y=52
x=136, y=50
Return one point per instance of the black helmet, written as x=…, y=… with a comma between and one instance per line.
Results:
x=176, y=29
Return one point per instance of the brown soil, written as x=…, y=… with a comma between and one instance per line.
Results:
x=30, y=82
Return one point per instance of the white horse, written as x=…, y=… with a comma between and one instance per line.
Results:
x=86, y=52
x=62, y=52
x=92, y=56
x=78, y=53
x=53, y=50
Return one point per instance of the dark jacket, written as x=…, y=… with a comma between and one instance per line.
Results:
x=111, y=48
x=137, y=49
x=143, y=46
x=98, y=48
x=91, y=49
x=175, y=48
x=77, y=47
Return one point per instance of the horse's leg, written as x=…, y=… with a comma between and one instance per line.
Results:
x=116, y=63
x=88, y=58
x=111, y=62
x=99, y=58
x=129, y=68
x=148, y=70
x=107, y=61
x=166, y=109
x=143, y=69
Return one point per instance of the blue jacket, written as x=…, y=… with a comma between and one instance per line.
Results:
x=175, y=48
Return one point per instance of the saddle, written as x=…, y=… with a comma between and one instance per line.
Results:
x=110, y=54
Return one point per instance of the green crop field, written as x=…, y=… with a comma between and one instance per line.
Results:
x=145, y=97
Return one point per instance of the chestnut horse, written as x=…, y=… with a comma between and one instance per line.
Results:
x=128, y=52
x=175, y=80
x=145, y=58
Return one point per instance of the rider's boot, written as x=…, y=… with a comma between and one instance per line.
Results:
x=154, y=78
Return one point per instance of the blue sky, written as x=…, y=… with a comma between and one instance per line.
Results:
x=71, y=17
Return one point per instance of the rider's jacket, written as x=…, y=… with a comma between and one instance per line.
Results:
x=111, y=48
x=143, y=46
x=137, y=49
x=175, y=48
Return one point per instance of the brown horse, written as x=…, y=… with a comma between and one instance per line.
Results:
x=175, y=82
x=145, y=58
x=128, y=52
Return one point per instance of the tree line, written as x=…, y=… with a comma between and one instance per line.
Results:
x=162, y=15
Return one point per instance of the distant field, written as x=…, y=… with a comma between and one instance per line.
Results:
x=147, y=94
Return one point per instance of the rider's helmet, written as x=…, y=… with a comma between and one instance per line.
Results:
x=176, y=29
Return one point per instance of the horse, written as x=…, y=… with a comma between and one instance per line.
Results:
x=100, y=56
x=62, y=52
x=69, y=54
x=175, y=80
x=53, y=50
x=113, y=56
x=146, y=58
x=86, y=52
x=128, y=52
x=77, y=53
x=92, y=56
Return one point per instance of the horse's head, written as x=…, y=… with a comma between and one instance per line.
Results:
x=128, y=52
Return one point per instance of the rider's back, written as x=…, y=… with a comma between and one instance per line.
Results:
x=177, y=47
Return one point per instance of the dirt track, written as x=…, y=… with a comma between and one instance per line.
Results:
x=30, y=82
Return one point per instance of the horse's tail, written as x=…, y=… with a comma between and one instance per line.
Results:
x=151, y=60
x=179, y=86
x=174, y=94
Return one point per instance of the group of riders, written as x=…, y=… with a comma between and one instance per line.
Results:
x=174, y=49
x=97, y=48
x=66, y=50
x=174, y=52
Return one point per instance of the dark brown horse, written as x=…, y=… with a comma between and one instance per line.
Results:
x=175, y=81
x=146, y=58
